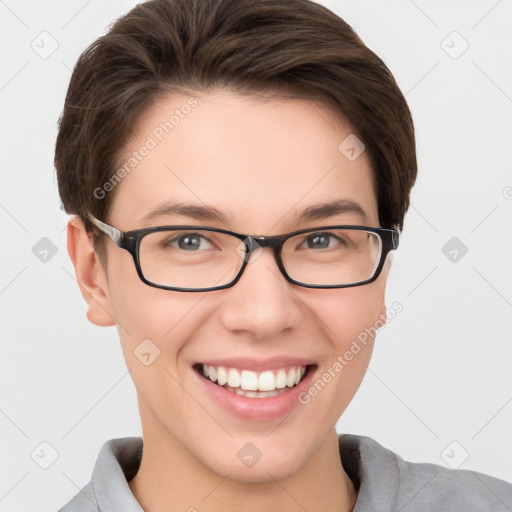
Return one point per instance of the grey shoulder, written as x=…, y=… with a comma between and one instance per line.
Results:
x=391, y=483
x=83, y=501
x=425, y=486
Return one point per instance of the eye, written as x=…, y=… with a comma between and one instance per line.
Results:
x=188, y=242
x=323, y=240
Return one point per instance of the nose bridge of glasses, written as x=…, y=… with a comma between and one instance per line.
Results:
x=263, y=241
x=256, y=244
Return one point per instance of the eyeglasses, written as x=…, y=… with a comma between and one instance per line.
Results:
x=197, y=258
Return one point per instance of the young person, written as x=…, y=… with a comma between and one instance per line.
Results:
x=238, y=173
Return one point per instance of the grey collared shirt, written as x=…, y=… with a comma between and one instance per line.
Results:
x=385, y=482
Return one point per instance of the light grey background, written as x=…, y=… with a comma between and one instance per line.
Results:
x=439, y=384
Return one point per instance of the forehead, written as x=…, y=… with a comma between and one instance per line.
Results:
x=258, y=162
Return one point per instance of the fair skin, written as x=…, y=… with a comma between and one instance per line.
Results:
x=260, y=162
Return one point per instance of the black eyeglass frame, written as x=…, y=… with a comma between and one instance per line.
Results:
x=130, y=241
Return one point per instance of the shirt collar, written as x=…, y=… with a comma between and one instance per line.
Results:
x=118, y=462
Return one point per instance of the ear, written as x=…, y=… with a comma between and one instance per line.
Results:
x=384, y=312
x=90, y=274
x=385, y=271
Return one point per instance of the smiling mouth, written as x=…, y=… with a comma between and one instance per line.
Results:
x=252, y=384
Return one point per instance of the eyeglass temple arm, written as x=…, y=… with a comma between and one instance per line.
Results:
x=395, y=239
x=115, y=234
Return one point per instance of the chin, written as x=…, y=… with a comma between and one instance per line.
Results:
x=246, y=463
x=260, y=473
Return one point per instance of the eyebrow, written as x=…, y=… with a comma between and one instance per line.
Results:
x=322, y=211
x=198, y=212
x=315, y=212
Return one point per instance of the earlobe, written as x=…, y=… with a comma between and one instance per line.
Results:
x=90, y=274
x=384, y=312
x=385, y=271
x=387, y=263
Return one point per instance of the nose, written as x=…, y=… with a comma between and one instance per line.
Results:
x=262, y=302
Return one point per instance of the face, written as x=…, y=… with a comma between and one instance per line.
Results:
x=260, y=163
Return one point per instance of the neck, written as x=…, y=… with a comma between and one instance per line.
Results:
x=172, y=479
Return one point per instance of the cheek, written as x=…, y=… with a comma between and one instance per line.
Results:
x=154, y=326
x=148, y=319
x=348, y=318
x=351, y=313
x=336, y=382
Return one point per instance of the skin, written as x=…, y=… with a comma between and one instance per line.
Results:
x=260, y=161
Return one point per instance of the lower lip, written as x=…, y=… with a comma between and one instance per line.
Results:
x=257, y=409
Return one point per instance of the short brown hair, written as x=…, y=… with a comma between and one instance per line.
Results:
x=250, y=46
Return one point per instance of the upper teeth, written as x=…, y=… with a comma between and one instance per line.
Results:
x=248, y=380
